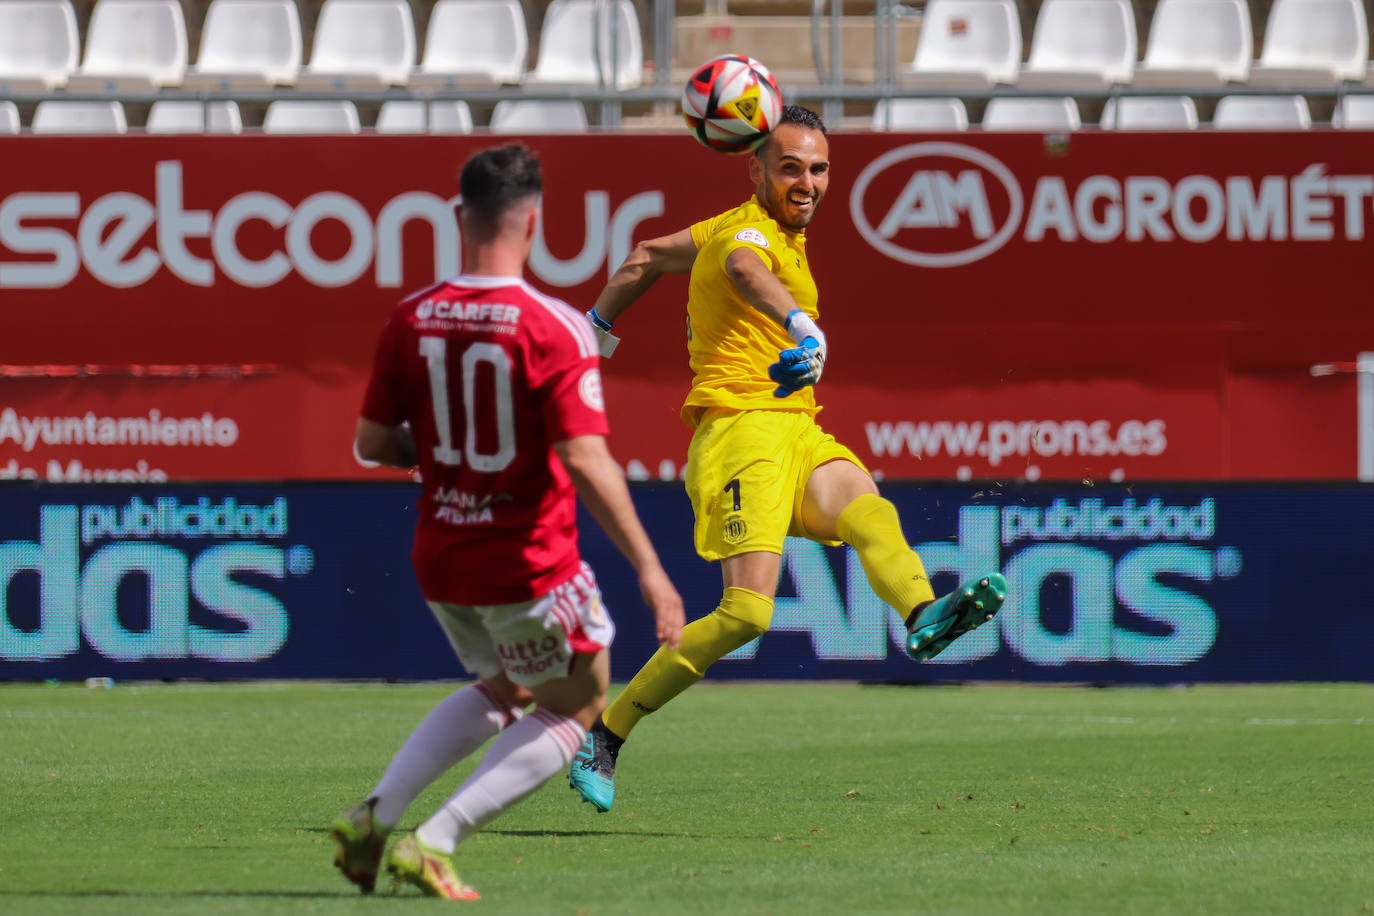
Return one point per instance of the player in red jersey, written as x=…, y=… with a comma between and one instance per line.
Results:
x=493, y=390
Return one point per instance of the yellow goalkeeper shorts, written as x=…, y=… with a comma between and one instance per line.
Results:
x=746, y=475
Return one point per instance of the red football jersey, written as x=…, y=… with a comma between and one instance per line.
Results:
x=489, y=373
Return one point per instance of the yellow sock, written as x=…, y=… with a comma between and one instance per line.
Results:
x=870, y=525
x=741, y=616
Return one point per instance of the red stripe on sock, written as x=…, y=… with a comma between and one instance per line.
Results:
x=564, y=730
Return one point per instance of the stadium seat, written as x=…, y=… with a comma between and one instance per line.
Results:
x=526, y=116
x=1262, y=112
x=132, y=45
x=1354, y=112
x=920, y=115
x=1313, y=41
x=473, y=41
x=63, y=116
x=403, y=116
x=570, y=45
x=168, y=116
x=301, y=116
x=1197, y=43
x=39, y=44
x=966, y=43
x=248, y=44
x=1015, y=113
x=361, y=44
x=1081, y=44
x=1149, y=112
x=9, y=118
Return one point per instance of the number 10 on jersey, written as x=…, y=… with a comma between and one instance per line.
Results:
x=435, y=352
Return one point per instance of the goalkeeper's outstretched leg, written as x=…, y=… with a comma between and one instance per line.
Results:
x=870, y=525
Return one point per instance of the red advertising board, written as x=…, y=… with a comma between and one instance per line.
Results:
x=998, y=306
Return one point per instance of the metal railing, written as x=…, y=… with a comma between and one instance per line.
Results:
x=831, y=90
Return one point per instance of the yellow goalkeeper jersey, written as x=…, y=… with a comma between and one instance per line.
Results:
x=732, y=344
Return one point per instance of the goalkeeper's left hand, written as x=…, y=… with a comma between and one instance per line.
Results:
x=801, y=365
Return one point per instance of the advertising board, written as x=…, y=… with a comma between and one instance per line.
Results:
x=1107, y=306
x=1111, y=584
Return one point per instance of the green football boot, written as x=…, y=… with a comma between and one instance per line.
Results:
x=360, y=840
x=947, y=618
x=412, y=862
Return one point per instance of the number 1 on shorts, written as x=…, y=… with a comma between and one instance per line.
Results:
x=733, y=487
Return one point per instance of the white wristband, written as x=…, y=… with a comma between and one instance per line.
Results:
x=606, y=342
x=800, y=326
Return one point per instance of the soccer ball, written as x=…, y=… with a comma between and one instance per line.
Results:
x=731, y=103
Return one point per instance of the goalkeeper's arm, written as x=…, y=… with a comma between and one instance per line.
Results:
x=669, y=254
x=799, y=366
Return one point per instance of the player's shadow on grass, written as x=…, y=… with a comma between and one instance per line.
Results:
x=96, y=893
x=583, y=833
x=578, y=833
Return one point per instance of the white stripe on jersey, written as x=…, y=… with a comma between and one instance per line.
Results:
x=485, y=282
x=576, y=323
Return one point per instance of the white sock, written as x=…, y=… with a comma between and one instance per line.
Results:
x=520, y=761
x=459, y=725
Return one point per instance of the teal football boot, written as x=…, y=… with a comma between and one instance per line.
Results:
x=947, y=618
x=593, y=768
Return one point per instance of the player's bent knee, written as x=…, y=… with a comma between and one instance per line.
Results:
x=742, y=615
x=505, y=691
x=745, y=612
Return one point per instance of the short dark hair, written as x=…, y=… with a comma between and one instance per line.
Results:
x=799, y=115
x=495, y=179
x=802, y=117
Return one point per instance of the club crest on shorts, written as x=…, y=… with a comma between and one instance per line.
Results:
x=735, y=529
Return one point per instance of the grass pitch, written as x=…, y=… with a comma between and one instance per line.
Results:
x=768, y=799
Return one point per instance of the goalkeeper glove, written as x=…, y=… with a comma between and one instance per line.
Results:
x=802, y=365
x=606, y=342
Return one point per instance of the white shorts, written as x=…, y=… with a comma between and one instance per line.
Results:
x=530, y=641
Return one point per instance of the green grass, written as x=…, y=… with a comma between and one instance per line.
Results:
x=779, y=798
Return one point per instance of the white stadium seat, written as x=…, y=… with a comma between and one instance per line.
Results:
x=1262, y=112
x=1313, y=41
x=404, y=116
x=920, y=115
x=301, y=116
x=473, y=41
x=248, y=44
x=966, y=43
x=62, y=116
x=9, y=118
x=1081, y=44
x=39, y=44
x=361, y=44
x=1197, y=43
x=174, y=116
x=526, y=116
x=570, y=43
x=133, y=45
x=1030, y=114
x=1354, y=112
x=1149, y=112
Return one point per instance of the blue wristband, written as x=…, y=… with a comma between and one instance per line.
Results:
x=597, y=320
x=787, y=322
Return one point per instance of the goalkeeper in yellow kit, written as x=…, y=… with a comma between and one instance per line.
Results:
x=759, y=468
